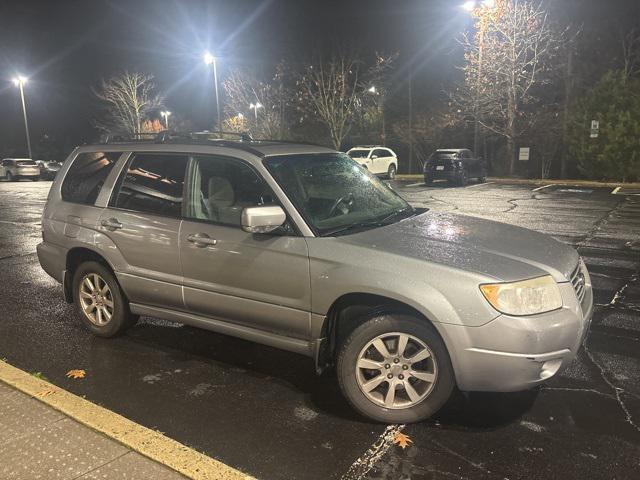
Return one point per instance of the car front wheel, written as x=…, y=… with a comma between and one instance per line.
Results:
x=101, y=305
x=10, y=177
x=394, y=368
x=392, y=172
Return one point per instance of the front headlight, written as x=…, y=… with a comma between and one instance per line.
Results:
x=527, y=297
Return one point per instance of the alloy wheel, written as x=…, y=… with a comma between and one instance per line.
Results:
x=96, y=299
x=396, y=370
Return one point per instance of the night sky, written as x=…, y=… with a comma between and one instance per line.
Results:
x=66, y=46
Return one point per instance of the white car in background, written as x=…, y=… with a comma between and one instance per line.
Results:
x=16, y=168
x=378, y=160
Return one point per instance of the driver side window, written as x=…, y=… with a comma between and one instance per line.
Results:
x=220, y=188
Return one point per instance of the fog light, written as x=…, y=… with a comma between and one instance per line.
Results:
x=550, y=368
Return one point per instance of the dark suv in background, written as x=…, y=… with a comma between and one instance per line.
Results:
x=456, y=165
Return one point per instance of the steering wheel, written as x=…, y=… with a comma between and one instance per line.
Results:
x=346, y=199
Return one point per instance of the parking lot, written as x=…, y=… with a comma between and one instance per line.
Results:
x=265, y=412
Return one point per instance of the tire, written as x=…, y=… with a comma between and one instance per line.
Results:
x=427, y=180
x=391, y=173
x=433, y=395
x=121, y=317
x=462, y=179
x=10, y=177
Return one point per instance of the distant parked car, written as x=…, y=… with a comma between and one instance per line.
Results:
x=456, y=165
x=48, y=169
x=16, y=168
x=378, y=160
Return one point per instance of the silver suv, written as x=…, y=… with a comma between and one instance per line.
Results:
x=300, y=248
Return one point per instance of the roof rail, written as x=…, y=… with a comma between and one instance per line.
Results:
x=167, y=136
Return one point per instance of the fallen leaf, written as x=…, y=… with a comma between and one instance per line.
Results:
x=76, y=373
x=45, y=393
x=402, y=440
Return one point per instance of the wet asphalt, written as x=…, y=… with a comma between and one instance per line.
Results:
x=265, y=412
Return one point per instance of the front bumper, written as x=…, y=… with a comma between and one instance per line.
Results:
x=517, y=353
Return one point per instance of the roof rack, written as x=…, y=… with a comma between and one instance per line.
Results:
x=167, y=136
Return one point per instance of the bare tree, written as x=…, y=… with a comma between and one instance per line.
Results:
x=341, y=92
x=266, y=120
x=631, y=52
x=129, y=99
x=331, y=91
x=509, y=61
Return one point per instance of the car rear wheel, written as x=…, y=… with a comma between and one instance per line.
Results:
x=10, y=177
x=428, y=180
x=462, y=179
x=99, y=301
x=394, y=368
x=392, y=172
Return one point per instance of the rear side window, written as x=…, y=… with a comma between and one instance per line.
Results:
x=380, y=153
x=153, y=183
x=87, y=175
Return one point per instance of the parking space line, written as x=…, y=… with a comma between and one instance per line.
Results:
x=415, y=184
x=543, y=187
x=143, y=440
x=615, y=191
x=479, y=184
x=366, y=462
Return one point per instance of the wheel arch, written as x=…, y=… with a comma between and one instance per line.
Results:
x=75, y=257
x=349, y=310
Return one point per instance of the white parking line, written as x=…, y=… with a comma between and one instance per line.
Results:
x=615, y=191
x=415, y=184
x=479, y=184
x=365, y=463
x=540, y=188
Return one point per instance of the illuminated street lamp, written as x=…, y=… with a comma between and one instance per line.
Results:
x=374, y=91
x=209, y=59
x=255, y=107
x=19, y=82
x=473, y=8
x=166, y=114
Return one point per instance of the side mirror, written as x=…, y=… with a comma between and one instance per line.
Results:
x=373, y=157
x=263, y=219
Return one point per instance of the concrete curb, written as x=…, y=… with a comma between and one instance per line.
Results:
x=143, y=440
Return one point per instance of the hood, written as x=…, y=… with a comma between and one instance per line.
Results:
x=497, y=250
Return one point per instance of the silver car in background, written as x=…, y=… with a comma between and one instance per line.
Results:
x=16, y=168
x=301, y=248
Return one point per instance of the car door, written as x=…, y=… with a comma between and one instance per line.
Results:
x=258, y=280
x=143, y=220
x=379, y=162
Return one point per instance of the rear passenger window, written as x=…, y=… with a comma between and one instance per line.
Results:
x=152, y=183
x=86, y=176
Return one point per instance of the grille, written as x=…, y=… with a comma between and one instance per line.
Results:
x=578, y=281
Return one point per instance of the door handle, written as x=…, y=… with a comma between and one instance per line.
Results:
x=111, y=224
x=201, y=240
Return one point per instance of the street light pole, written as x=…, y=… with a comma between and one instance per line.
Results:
x=255, y=107
x=166, y=114
x=474, y=6
x=19, y=81
x=209, y=59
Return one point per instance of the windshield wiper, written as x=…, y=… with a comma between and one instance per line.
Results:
x=397, y=213
x=370, y=224
x=353, y=226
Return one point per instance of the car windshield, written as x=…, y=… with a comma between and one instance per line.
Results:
x=334, y=194
x=358, y=153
